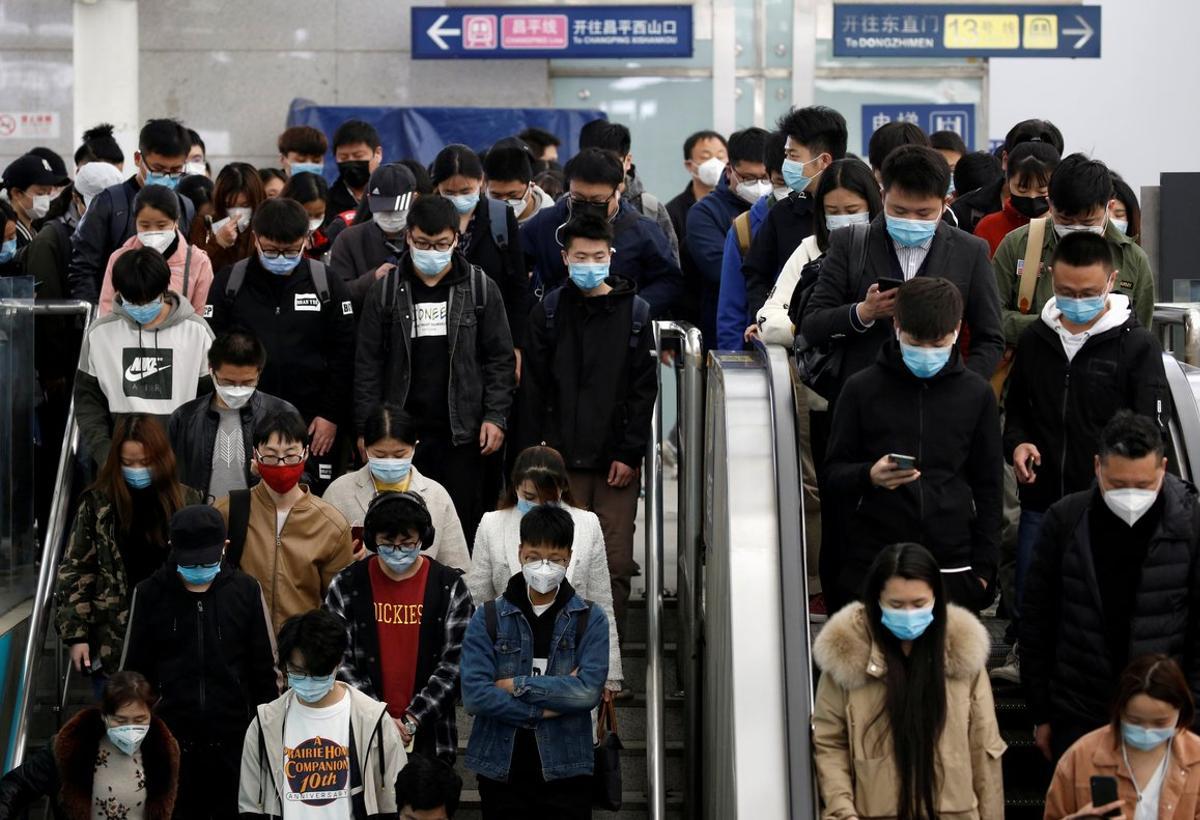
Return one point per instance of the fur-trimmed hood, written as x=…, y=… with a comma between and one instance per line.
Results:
x=75, y=749
x=846, y=651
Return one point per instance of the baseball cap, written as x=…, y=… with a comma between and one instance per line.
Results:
x=56, y=163
x=391, y=188
x=94, y=177
x=30, y=169
x=197, y=536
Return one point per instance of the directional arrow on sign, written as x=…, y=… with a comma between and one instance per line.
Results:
x=1085, y=33
x=436, y=33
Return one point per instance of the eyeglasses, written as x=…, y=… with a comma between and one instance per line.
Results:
x=559, y=562
x=275, y=254
x=406, y=545
x=578, y=200
x=424, y=245
x=290, y=460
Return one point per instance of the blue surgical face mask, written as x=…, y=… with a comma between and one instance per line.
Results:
x=1139, y=737
x=588, y=275
x=431, y=262
x=794, y=176
x=837, y=221
x=128, y=738
x=280, y=265
x=144, y=314
x=925, y=362
x=317, y=168
x=8, y=250
x=524, y=505
x=907, y=624
x=398, y=559
x=311, y=688
x=911, y=232
x=465, y=203
x=137, y=477
x=165, y=180
x=199, y=575
x=389, y=470
x=1081, y=311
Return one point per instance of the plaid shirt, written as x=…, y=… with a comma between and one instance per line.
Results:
x=434, y=703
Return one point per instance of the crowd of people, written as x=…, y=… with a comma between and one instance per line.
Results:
x=364, y=449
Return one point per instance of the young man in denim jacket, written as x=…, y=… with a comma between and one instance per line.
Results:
x=534, y=662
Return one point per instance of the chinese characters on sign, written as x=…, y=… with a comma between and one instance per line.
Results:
x=956, y=117
x=29, y=125
x=509, y=32
x=862, y=30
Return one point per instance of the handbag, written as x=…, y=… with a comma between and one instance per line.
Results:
x=606, y=773
x=1029, y=265
x=820, y=366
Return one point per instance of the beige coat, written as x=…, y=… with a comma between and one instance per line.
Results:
x=1096, y=754
x=855, y=768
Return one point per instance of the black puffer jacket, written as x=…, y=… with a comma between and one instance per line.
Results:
x=1066, y=669
x=193, y=433
x=504, y=265
x=973, y=206
x=1062, y=407
x=950, y=424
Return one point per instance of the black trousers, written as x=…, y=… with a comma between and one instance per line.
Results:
x=209, y=771
x=460, y=470
x=532, y=798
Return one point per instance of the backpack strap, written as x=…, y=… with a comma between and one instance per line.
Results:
x=1031, y=264
x=187, y=212
x=550, y=307
x=479, y=289
x=357, y=793
x=649, y=205
x=239, y=525
x=641, y=318
x=858, y=250
x=237, y=277
x=498, y=217
x=320, y=277
x=741, y=227
x=491, y=620
x=187, y=268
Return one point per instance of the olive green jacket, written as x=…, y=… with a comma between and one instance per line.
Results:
x=1134, y=278
x=92, y=592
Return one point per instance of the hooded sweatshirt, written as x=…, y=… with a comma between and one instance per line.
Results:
x=541, y=201
x=1116, y=315
x=192, y=261
x=126, y=368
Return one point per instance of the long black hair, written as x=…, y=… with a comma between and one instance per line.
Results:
x=856, y=177
x=915, y=706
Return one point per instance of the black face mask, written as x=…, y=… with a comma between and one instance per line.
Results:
x=355, y=172
x=1030, y=206
x=599, y=210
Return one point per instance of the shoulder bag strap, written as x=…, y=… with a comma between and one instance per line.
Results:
x=1032, y=264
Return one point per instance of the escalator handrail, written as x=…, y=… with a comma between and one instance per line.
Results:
x=1169, y=315
x=56, y=531
x=690, y=421
x=793, y=567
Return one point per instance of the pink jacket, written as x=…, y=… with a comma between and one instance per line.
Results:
x=199, y=274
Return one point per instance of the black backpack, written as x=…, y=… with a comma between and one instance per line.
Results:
x=640, y=309
x=396, y=287
x=237, y=278
x=820, y=366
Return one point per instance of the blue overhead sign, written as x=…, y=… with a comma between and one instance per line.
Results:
x=877, y=30
x=550, y=32
x=956, y=117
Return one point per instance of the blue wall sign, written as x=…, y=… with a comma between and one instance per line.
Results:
x=956, y=117
x=541, y=32
x=877, y=30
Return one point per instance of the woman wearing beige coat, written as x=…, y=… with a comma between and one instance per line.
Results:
x=931, y=749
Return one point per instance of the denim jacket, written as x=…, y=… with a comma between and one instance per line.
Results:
x=564, y=742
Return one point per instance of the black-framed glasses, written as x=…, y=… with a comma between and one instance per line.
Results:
x=424, y=245
x=289, y=460
x=577, y=201
x=407, y=545
x=275, y=254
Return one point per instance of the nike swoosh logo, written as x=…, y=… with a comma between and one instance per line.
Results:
x=133, y=375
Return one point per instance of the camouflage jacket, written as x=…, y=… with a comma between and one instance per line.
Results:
x=92, y=592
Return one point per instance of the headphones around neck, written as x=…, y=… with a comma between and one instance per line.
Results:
x=426, y=531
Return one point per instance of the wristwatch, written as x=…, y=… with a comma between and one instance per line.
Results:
x=410, y=726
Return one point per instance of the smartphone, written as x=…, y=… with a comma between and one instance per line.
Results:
x=887, y=283
x=903, y=462
x=1104, y=791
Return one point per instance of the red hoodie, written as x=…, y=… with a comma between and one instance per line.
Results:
x=994, y=227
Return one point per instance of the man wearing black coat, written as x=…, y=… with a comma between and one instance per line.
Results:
x=200, y=633
x=851, y=306
x=591, y=385
x=917, y=400
x=1115, y=575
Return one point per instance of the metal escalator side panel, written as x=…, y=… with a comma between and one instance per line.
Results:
x=1183, y=380
x=745, y=720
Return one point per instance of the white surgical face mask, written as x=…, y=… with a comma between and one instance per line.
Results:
x=1066, y=230
x=543, y=576
x=390, y=221
x=241, y=216
x=195, y=167
x=40, y=206
x=235, y=397
x=159, y=240
x=781, y=193
x=315, y=224
x=709, y=172
x=753, y=191
x=1130, y=504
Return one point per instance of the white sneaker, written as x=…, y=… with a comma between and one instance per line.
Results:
x=1011, y=671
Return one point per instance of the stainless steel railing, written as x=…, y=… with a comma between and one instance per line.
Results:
x=1179, y=322
x=56, y=530
x=691, y=416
